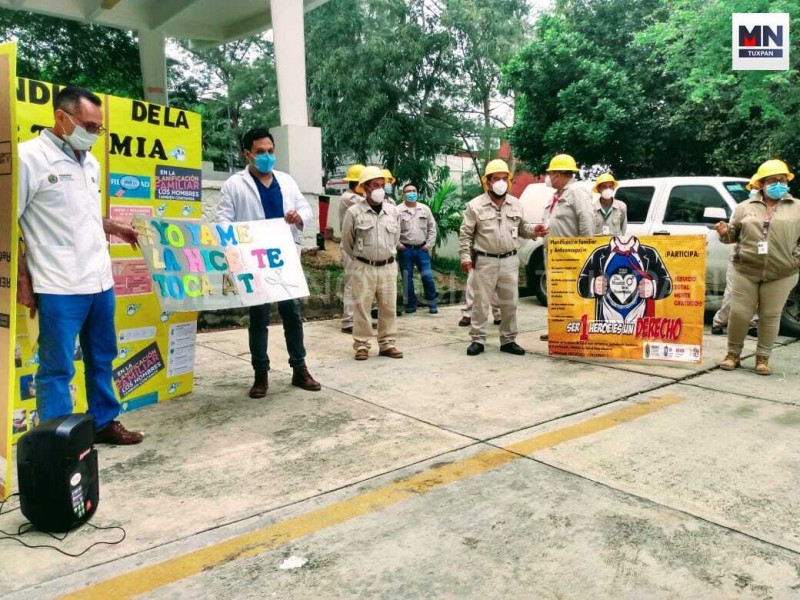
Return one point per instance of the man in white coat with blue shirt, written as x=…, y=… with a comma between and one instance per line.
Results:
x=260, y=192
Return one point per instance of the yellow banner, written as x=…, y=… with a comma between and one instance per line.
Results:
x=627, y=297
x=8, y=258
x=151, y=161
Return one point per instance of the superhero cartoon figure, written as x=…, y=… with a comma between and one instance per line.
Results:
x=625, y=278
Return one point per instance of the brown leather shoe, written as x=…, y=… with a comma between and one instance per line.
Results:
x=260, y=386
x=114, y=433
x=362, y=354
x=302, y=378
x=347, y=329
x=391, y=353
x=544, y=337
x=464, y=322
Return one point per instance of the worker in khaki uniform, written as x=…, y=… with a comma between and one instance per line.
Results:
x=720, y=320
x=766, y=231
x=417, y=239
x=610, y=214
x=569, y=212
x=349, y=198
x=370, y=236
x=492, y=223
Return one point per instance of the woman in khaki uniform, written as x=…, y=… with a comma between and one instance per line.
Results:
x=766, y=231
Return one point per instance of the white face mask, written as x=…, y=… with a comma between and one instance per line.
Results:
x=547, y=181
x=607, y=194
x=80, y=139
x=500, y=187
x=378, y=195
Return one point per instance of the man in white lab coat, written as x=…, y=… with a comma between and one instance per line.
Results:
x=261, y=192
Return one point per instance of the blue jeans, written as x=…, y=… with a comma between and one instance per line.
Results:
x=292, y=332
x=407, y=259
x=62, y=318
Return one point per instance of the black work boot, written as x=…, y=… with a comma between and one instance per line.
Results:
x=260, y=386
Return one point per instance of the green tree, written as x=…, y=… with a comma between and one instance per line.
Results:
x=646, y=86
x=734, y=120
x=235, y=89
x=577, y=89
x=68, y=52
x=485, y=35
x=378, y=77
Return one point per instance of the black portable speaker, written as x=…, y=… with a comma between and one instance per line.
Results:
x=57, y=473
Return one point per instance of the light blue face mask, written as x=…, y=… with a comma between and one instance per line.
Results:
x=776, y=191
x=388, y=188
x=411, y=196
x=264, y=162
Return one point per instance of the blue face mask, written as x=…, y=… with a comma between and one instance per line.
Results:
x=388, y=188
x=264, y=162
x=776, y=191
x=411, y=196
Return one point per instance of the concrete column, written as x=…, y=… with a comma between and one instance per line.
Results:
x=290, y=60
x=298, y=147
x=152, y=57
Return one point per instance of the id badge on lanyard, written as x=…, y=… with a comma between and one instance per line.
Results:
x=763, y=246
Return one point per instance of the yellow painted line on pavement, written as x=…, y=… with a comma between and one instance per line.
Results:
x=273, y=536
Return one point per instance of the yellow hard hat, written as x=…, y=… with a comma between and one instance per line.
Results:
x=604, y=178
x=388, y=175
x=353, y=171
x=771, y=167
x=563, y=162
x=368, y=174
x=750, y=186
x=495, y=166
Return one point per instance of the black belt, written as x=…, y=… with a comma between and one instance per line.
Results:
x=504, y=255
x=413, y=246
x=375, y=263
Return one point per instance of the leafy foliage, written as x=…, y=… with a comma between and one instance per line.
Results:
x=446, y=205
x=646, y=87
x=99, y=58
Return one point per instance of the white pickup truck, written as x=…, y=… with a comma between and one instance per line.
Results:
x=662, y=206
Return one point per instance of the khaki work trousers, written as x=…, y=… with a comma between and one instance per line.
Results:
x=769, y=297
x=470, y=300
x=498, y=276
x=368, y=283
x=347, y=292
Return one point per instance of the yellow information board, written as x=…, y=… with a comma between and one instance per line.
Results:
x=8, y=258
x=151, y=159
x=627, y=297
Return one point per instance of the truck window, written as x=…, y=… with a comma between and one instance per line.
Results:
x=638, y=200
x=737, y=190
x=686, y=203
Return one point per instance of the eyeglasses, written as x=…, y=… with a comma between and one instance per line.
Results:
x=89, y=127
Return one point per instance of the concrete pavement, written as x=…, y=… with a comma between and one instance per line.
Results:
x=442, y=475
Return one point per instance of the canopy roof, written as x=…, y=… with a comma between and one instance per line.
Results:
x=204, y=22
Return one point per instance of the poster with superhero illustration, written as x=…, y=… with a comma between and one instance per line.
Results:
x=627, y=297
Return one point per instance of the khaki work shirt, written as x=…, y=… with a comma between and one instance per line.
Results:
x=417, y=225
x=348, y=199
x=490, y=229
x=746, y=230
x=572, y=214
x=369, y=235
x=613, y=222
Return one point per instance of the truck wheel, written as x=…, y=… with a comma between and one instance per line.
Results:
x=790, y=319
x=536, y=277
